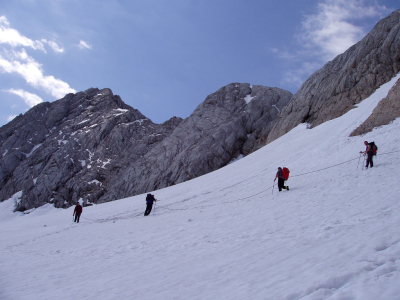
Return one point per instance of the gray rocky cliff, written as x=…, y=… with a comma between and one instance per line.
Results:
x=386, y=111
x=346, y=80
x=92, y=146
x=227, y=124
x=73, y=148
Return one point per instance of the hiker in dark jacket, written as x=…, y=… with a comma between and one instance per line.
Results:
x=149, y=203
x=369, y=152
x=77, y=212
x=281, y=180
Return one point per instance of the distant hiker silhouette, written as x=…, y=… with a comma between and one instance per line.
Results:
x=282, y=175
x=370, y=151
x=77, y=212
x=149, y=203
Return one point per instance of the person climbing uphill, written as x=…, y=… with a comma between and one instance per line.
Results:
x=77, y=212
x=149, y=203
x=281, y=178
x=370, y=151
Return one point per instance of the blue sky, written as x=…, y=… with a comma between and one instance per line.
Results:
x=165, y=57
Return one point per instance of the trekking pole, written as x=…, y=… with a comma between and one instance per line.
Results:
x=365, y=160
x=359, y=160
x=273, y=186
x=155, y=204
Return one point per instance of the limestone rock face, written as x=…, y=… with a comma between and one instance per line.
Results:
x=94, y=147
x=73, y=148
x=346, y=80
x=386, y=111
x=219, y=130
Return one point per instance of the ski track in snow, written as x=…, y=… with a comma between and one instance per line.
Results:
x=229, y=234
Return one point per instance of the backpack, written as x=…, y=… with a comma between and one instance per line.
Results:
x=374, y=148
x=285, y=173
x=149, y=198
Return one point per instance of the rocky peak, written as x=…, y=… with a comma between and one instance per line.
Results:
x=230, y=122
x=62, y=151
x=92, y=146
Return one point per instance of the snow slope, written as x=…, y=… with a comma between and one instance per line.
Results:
x=229, y=234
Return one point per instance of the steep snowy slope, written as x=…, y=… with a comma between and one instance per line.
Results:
x=230, y=234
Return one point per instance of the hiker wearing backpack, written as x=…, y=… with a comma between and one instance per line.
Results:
x=282, y=175
x=149, y=203
x=370, y=151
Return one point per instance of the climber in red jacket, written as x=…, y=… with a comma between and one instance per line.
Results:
x=77, y=212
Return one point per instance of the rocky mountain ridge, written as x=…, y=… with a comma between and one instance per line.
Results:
x=92, y=146
x=230, y=122
x=59, y=152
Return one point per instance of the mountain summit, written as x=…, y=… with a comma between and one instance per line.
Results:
x=91, y=145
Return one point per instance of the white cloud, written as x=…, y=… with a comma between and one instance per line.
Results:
x=29, y=98
x=296, y=77
x=13, y=38
x=84, y=45
x=10, y=118
x=4, y=21
x=286, y=55
x=24, y=65
x=332, y=30
x=53, y=45
x=19, y=62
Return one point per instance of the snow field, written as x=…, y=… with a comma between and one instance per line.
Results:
x=229, y=234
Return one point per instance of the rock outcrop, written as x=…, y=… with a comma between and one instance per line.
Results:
x=230, y=122
x=73, y=148
x=346, y=80
x=91, y=145
x=386, y=111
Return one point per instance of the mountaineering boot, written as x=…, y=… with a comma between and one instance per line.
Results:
x=287, y=187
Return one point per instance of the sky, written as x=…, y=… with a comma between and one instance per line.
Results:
x=164, y=57
x=229, y=234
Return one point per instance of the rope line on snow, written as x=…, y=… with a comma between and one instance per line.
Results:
x=389, y=152
x=325, y=168
x=340, y=164
x=204, y=206
x=240, y=199
x=167, y=208
x=87, y=219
